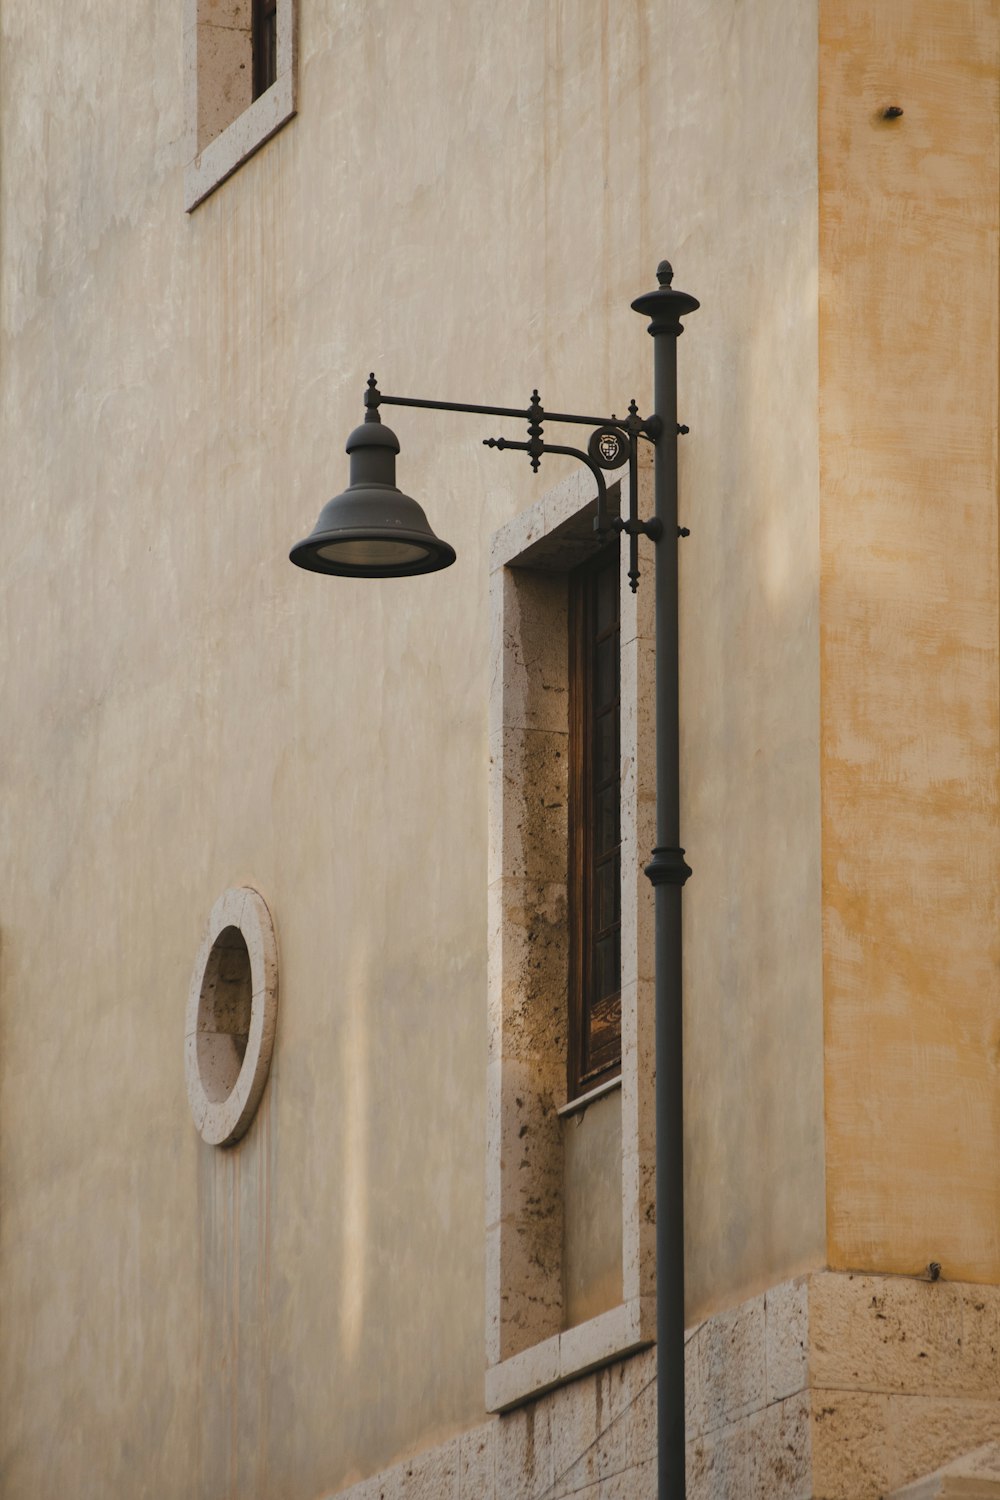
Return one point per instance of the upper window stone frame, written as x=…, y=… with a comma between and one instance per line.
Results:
x=225, y=123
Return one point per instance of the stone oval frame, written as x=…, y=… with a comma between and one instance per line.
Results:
x=232, y=1010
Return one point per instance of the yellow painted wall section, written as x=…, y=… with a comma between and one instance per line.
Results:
x=908, y=414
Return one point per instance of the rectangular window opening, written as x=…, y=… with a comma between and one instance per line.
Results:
x=571, y=930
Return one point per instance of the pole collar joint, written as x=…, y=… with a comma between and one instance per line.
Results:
x=667, y=867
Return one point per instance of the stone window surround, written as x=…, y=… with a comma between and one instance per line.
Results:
x=528, y=1350
x=222, y=1121
x=218, y=159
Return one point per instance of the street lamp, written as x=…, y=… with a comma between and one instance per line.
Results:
x=373, y=530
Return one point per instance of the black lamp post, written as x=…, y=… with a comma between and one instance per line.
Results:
x=372, y=530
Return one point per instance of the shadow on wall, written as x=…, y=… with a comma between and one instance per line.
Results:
x=332, y=1252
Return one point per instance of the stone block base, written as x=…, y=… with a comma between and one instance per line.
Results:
x=974, y=1477
x=830, y=1387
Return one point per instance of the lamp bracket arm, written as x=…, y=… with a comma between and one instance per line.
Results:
x=603, y=522
x=374, y=398
x=632, y=525
x=483, y=411
x=614, y=441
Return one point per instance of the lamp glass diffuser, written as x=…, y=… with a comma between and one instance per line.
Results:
x=376, y=552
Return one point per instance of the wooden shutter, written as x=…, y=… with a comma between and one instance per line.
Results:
x=594, y=824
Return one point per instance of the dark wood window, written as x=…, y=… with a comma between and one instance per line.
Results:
x=594, y=824
x=265, y=45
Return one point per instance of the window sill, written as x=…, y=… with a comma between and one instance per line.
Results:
x=238, y=141
x=577, y=1105
x=556, y=1361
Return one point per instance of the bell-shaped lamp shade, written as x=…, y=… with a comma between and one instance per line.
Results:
x=372, y=530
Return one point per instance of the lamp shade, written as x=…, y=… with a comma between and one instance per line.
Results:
x=372, y=530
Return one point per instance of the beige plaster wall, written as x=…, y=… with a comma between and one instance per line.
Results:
x=740, y=175
x=466, y=202
x=909, y=609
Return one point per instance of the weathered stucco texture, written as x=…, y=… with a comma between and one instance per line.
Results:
x=466, y=202
x=739, y=171
x=911, y=853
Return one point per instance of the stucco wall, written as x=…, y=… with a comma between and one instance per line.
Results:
x=466, y=202
x=910, y=727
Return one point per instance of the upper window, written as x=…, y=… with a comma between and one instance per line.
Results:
x=265, y=45
x=240, y=65
x=594, y=884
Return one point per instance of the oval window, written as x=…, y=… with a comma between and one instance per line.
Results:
x=231, y=1014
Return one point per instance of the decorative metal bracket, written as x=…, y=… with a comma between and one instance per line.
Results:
x=613, y=442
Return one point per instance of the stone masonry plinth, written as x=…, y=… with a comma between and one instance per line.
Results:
x=830, y=1387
